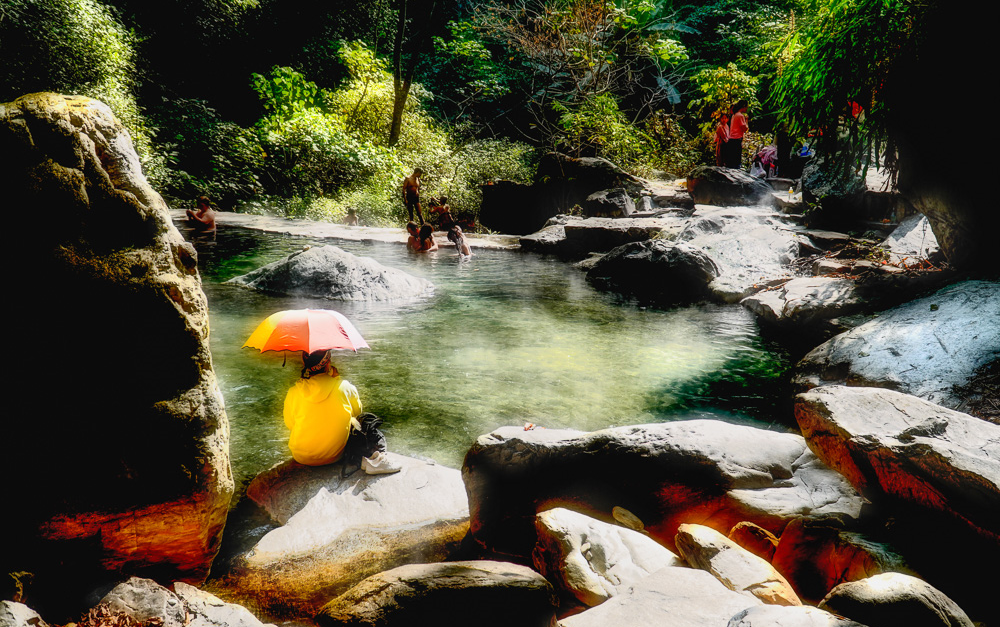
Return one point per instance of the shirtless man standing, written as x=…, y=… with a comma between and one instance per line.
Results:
x=411, y=194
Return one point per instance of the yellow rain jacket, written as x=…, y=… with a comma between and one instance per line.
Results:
x=319, y=412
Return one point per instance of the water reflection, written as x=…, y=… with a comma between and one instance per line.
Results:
x=505, y=338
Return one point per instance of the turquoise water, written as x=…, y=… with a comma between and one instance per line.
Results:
x=506, y=338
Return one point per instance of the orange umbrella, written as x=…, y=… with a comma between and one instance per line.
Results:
x=306, y=330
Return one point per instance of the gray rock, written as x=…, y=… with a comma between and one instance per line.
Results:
x=892, y=444
x=207, y=610
x=724, y=187
x=610, y=203
x=19, y=615
x=146, y=486
x=655, y=271
x=912, y=241
x=750, y=246
x=329, y=272
x=491, y=594
x=145, y=600
x=806, y=302
x=679, y=597
x=704, y=471
x=924, y=347
x=591, y=559
x=338, y=530
x=895, y=599
x=779, y=616
x=570, y=236
x=737, y=568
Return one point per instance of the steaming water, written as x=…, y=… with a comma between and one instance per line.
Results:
x=506, y=338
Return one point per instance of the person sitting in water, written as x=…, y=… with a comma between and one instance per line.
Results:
x=351, y=219
x=413, y=242
x=203, y=216
x=323, y=412
x=446, y=222
x=425, y=240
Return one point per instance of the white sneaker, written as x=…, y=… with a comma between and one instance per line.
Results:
x=379, y=464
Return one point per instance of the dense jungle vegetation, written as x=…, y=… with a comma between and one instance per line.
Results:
x=309, y=109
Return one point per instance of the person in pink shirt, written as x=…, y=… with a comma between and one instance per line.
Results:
x=737, y=128
x=721, y=138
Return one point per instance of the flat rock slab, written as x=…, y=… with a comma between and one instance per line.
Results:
x=571, y=236
x=675, y=596
x=338, y=530
x=895, y=599
x=737, y=568
x=591, y=559
x=330, y=272
x=703, y=471
x=923, y=348
x=481, y=593
x=892, y=444
x=804, y=302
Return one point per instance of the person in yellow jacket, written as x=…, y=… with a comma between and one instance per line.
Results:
x=320, y=410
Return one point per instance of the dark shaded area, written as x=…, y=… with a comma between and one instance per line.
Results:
x=981, y=395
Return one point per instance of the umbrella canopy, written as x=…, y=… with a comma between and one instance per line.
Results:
x=306, y=330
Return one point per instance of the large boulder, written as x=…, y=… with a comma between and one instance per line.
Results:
x=895, y=599
x=702, y=471
x=609, y=203
x=122, y=463
x=561, y=183
x=804, y=304
x=924, y=347
x=13, y=614
x=912, y=241
x=725, y=187
x=675, y=596
x=894, y=445
x=574, y=237
x=738, y=569
x=657, y=271
x=336, y=530
x=591, y=559
x=329, y=272
x=149, y=603
x=751, y=247
x=482, y=593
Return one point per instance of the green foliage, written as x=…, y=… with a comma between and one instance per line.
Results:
x=721, y=88
x=285, y=93
x=72, y=47
x=847, y=52
x=597, y=127
x=476, y=163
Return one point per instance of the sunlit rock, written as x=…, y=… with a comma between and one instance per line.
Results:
x=121, y=461
x=149, y=603
x=924, y=347
x=702, y=471
x=738, y=569
x=895, y=599
x=805, y=303
x=815, y=556
x=912, y=241
x=329, y=272
x=481, y=593
x=593, y=560
x=783, y=616
x=675, y=596
x=336, y=530
x=890, y=444
x=14, y=614
x=574, y=237
x=609, y=203
x=655, y=271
